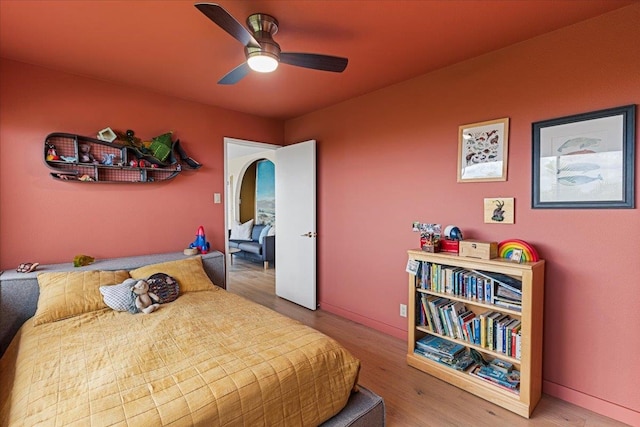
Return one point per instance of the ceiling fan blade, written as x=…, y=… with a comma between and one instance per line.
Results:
x=228, y=23
x=315, y=61
x=235, y=75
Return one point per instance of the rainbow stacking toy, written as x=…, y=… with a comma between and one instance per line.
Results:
x=506, y=247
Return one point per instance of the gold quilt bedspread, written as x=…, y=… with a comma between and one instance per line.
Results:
x=209, y=358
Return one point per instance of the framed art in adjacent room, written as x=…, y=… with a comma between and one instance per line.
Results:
x=585, y=160
x=482, y=151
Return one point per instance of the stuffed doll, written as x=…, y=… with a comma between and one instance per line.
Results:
x=85, y=154
x=146, y=302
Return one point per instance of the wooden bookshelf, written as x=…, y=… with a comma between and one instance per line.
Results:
x=531, y=274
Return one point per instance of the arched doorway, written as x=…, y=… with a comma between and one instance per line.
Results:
x=257, y=193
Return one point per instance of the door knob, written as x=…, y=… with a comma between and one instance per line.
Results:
x=309, y=234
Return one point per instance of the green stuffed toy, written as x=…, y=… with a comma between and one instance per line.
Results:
x=81, y=260
x=161, y=146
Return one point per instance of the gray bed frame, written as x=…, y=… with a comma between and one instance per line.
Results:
x=19, y=300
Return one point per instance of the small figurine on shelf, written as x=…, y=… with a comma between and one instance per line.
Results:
x=452, y=232
x=85, y=154
x=429, y=236
x=51, y=152
x=452, y=237
x=107, y=159
x=429, y=242
x=200, y=242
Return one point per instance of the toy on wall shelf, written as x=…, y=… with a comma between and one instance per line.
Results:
x=107, y=159
x=200, y=242
x=51, y=153
x=85, y=155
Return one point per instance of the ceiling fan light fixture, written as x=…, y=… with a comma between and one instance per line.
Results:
x=262, y=63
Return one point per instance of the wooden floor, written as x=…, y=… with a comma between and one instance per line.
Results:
x=412, y=398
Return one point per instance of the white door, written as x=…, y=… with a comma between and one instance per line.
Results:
x=296, y=223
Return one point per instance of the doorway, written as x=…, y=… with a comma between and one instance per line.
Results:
x=241, y=158
x=294, y=248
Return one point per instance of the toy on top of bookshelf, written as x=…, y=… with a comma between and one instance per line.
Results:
x=511, y=248
x=452, y=232
x=451, y=241
x=429, y=236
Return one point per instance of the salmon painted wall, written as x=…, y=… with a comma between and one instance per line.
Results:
x=389, y=158
x=50, y=221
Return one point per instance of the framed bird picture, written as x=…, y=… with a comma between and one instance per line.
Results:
x=482, y=151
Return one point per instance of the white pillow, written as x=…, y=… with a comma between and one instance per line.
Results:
x=272, y=231
x=241, y=231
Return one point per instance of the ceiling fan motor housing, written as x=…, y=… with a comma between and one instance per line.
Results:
x=263, y=27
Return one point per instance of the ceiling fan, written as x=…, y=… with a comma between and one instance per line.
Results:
x=262, y=52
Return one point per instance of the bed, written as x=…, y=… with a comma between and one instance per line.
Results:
x=208, y=358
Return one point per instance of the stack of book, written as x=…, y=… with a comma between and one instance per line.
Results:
x=507, y=291
x=500, y=373
x=442, y=351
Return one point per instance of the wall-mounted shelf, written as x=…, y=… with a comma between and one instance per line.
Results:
x=108, y=162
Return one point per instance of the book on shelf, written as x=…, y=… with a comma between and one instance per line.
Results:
x=483, y=328
x=508, y=336
x=424, y=305
x=507, y=379
x=507, y=294
x=466, y=325
x=440, y=346
x=476, y=331
x=425, y=275
x=516, y=306
x=420, y=313
x=501, y=334
x=492, y=319
x=457, y=309
x=509, y=382
x=460, y=362
x=504, y=280
x=434, y=304
x=515, y=351
x=501, y=365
